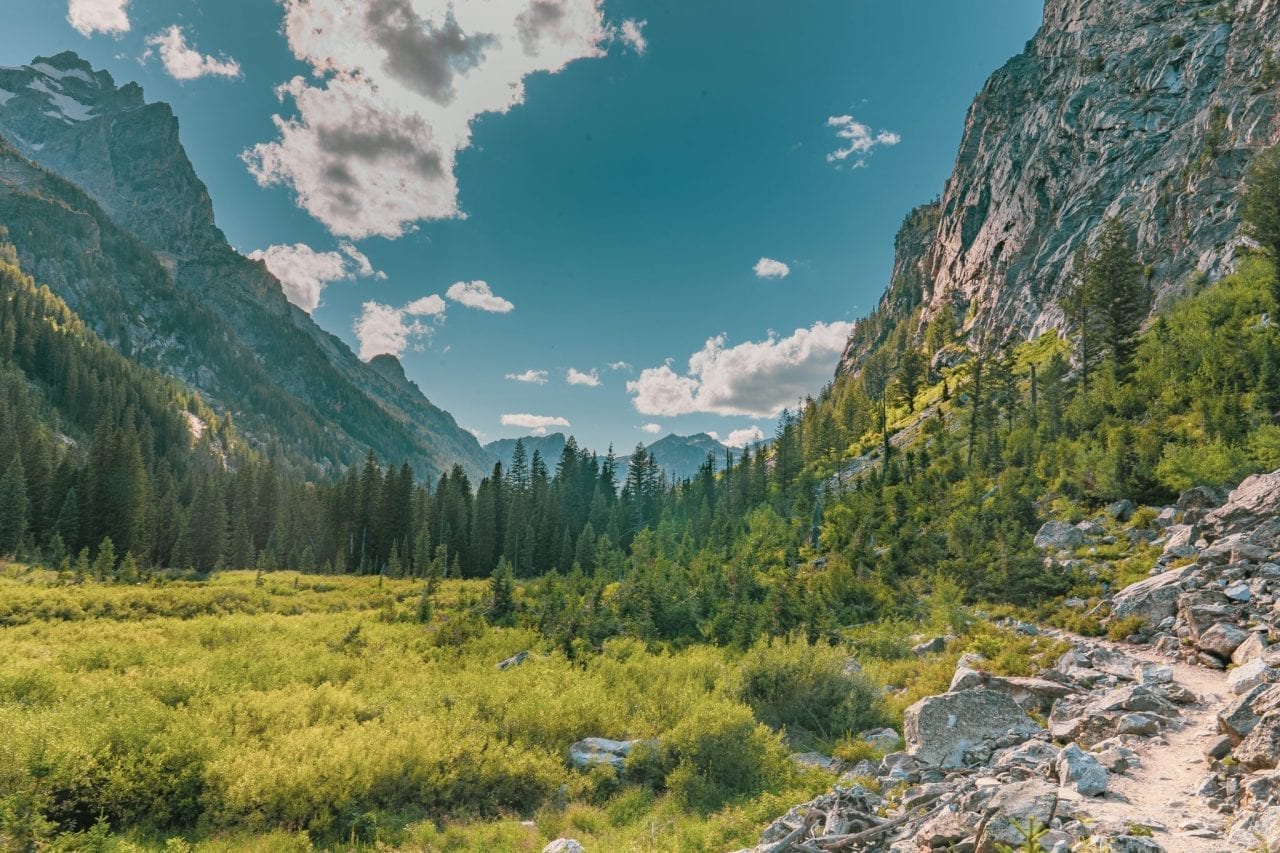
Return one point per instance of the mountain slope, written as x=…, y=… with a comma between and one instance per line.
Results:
x=168, y=289
x=681, y=456
x=1145, y=109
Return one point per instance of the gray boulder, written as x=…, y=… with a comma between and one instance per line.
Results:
x=594, y=751
x=564, y=845
x=884, y=740
x=1247, y=676
x=1258, y=496
x=1080, y=771
x=1260, y=750
x=515, y=660
x=1254, y=646
x=1239, y=718
x=1221, y=640
x=931, y=646
x=1014, y=806
x=939, y=730
x=1059, y=536
x=1153, y=599
x=1121, y=510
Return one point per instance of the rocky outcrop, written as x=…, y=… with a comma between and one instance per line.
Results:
x=595, y=751
x=952, y=729
x=1145, y=109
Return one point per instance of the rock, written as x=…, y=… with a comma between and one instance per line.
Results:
x=966, y=679
x=1152, y=599
x=1238, y=719
x=1221, y=640
x=1080, y=771
x=1117, y=759
x=1149, y=673
x=1090, y=528
x=1167, y=517
x=1132, y=844
x=564, y=845
x=1254, y=646
x=1219, y=748
x=883, y=740
x=1244, y=678
x=1258, y=496
x=945, y=829
x=1014, y=806
x=1260, y=749
x=1201, y=497
x=929, y=647
x=1034, y=755
x=1238, y=592
x=939, y=730
x=1059, y=536
x=598, y=750
x=1121, y=510
x=1137, y=724
x=514, y=660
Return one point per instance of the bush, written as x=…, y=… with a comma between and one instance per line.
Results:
x=718, y=753
x=1121, y=628
x=815, y=688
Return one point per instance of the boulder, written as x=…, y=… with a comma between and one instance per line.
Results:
x=1137, y=724
x=966, y=679
x=515, y=660
x=1132, y=844
x=1258, y=496
x=1033, y=755
x=1080, y=771
x=1247, y=676
x=1254, y=646
x=939, y=730
x=1260, y=749
x=1238, y=719
x=1059, y=536
x=1013, y=807
x=942, y=831
x=883, y=740
x=1153, y=599
x=815, y=760
x=598, y=750
x=564, y=845
x=1121, y=510
x=1201, y=497
x=930, y=647
x=1221, y=640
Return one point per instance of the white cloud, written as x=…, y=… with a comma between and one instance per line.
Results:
x=591, y=378
x=619, y=365
x=184, y=62
x=754, y=379
x=537, y=424
x=769, y=268
x=304, y=272
x=858, y=140
x=632, y=35
x=652, y=429
x=386, y=330
x=743, y=437
x=98, y=16
x=393, y=90
x=536, y=377
x=476, y=294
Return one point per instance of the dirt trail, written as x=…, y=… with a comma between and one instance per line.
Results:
x=1161, y=791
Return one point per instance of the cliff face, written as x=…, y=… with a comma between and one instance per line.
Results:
x=1149, y=110
x=104, y=206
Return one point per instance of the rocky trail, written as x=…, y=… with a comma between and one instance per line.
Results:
x=1168, y=741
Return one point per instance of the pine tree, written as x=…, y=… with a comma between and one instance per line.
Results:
x=911, y=372
x=502, y=601
x=14, y=509
x=104, y=565
x=1120, y=293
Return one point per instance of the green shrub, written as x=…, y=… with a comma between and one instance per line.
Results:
x=815, y=688
x=719, y=753
x=1118, y=629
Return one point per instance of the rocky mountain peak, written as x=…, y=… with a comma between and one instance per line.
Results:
x=1148, y=110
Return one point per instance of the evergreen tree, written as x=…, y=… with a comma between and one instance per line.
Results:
x=502, y=600
x=104, y=565
x=14, y=507
x=1260, y=208
x=1120, y=293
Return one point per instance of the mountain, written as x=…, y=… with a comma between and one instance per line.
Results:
x=549, y=446
x=1149, y=110
x=104, y=207
x=680, y=456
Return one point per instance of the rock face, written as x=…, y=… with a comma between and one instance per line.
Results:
x=1146, y=109
x=1059, y=536
x=940, y=730
x=105, y=208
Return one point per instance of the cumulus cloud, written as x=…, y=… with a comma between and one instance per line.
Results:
x=857, y=140
x=652, y=429
x=590, y=378
x=535, y=377
x=476, y=294
x=393, y=90
x=753, y=379
x=304, y=272
x=769, y=268
x=632, y=35
x=184, y=62
x=98, y=16
x=743, y=437
x=386, y=330
x=537, y=424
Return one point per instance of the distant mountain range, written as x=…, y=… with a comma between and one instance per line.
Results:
x=104, y=207
x=679, y=456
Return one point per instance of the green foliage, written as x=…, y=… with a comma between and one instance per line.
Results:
x=804, y=687
x=719, y=753
x=1120, y=629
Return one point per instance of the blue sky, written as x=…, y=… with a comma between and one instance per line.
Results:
x=613, y=172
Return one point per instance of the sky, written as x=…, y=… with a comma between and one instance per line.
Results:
x=613, y=218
